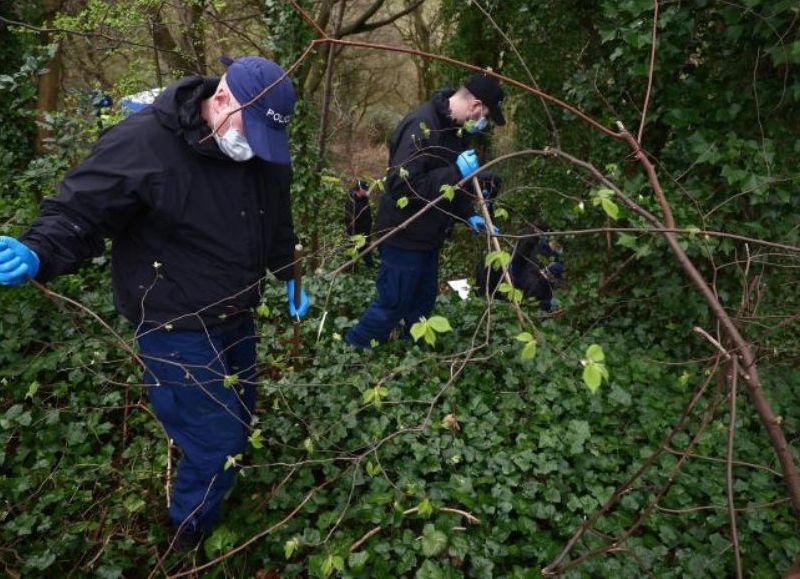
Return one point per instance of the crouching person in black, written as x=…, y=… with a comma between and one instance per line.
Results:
x=536, y=268
x=358, y=214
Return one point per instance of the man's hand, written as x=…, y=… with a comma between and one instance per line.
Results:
x=294, y=310
x=478, y=225
x=467, y=162
x=17, y=262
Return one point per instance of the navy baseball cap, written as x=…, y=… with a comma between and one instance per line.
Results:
x=266, y=120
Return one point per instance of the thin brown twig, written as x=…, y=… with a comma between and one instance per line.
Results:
x=375, y=530
x=650, y=72
x=733, y=377
x=722, y=460
x=54, y=295
x=713, y=341
x=524, y=65
x=749, y=509
x=559, y=567
x=555, y=566
x=257, y=536
x=766, y=413
x=496, y=245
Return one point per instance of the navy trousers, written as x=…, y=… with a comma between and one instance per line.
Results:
x=407, y=286
x=209, y=421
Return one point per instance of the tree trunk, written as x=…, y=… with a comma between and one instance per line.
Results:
x=175, y=57
x=50, y=81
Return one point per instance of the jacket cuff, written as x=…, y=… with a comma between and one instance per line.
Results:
x=45, y=272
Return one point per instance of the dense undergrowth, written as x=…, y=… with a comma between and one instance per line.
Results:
x=522, y=446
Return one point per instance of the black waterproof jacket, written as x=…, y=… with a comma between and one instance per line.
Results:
x=192, y=231
x=422, y=157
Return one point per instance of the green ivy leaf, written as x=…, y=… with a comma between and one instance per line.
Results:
x=262, y=311
x=291, y=546
x=220, y=541
x=433, y=541
x=402, y=202
x=230, y=380
x=500, y=214
x=357, y=560
x=332, y=562
x=41, y=562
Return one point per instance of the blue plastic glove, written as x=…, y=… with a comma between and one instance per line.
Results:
x=478, y=224
x=17, y=262
x=467, y=162
x=296, y=312
x=556, y=269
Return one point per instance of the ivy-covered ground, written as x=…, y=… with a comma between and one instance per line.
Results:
x=400, y=469
x=461, y=459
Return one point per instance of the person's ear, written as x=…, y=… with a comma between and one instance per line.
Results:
x=221, y=98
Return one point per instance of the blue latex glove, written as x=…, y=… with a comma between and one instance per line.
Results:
x=478, y=224
x=556, y=269
x=17, y=262
x=296, y=312
x=467, y=162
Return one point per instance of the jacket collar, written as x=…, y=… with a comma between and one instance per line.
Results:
x=441, y=104
x=178, y=108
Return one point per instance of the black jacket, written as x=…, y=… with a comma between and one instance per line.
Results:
x=428, y=154
x=357, y=214
x=192, y=231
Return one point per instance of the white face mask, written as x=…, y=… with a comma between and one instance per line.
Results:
x=234, y=144
x=477, y=126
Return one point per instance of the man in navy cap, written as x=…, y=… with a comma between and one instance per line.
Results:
x=193, y=192
x=428, y=150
